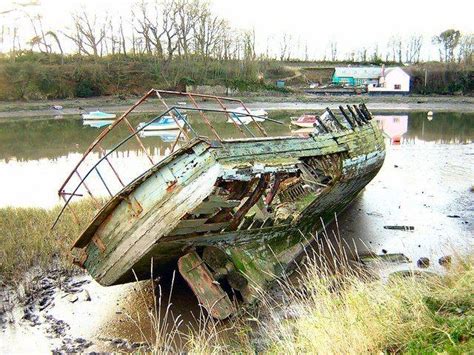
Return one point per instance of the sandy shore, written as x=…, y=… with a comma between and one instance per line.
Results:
x=18, y=109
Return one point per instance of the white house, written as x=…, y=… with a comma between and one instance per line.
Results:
x=391, y=80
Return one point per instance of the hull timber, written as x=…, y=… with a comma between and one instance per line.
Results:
x=171, y=207
x=236, y=210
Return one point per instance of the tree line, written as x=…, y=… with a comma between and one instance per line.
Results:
x=164, y=29
x=168, y=29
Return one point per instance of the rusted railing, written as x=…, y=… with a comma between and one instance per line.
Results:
x=185, y=130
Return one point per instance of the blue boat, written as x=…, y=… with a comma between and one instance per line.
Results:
x=165, y=123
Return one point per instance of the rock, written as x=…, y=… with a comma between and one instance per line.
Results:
x=384, y=251
x=72, y=298
x=44, y=302
x=453, y=216
x=445, y=260
x=423, y=262
x=85, y=296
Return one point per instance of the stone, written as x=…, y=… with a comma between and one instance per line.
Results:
x=445, y=260
x=423, y=262
x=85, y=296
x=72, y=298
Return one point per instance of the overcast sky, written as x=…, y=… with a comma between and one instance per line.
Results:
x=352, y=24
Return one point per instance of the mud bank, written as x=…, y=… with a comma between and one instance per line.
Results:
x=18, y=110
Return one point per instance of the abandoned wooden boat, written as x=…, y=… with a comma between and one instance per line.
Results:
x=233, y=212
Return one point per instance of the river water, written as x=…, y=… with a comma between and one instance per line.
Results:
x=425, y=184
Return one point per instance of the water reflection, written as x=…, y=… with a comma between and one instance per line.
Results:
x=394, y=126
x=166, y=136
x=97, y=123
x=36, y=155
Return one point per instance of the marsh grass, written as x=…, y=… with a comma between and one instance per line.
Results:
x=26, y=238
x=335, y=306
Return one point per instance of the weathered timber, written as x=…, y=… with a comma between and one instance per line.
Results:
x=206, y=288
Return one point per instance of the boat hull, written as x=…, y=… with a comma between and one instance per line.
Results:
x=253, y=199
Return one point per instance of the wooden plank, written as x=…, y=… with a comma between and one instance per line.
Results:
x=204, y=286
x=190, y=223
x=210, y=207
x=210, y=227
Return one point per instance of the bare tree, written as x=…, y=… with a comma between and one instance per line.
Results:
x=186, y=14
x=148, y=18
x=207, y=31
x=363, y=54
x=466, y=48
x=413, y=49
x=333, y=49
x=248, y=40
x=39, y=39
x=285, y=46
x=88, y=34
x=58, y=43
x=395, y=47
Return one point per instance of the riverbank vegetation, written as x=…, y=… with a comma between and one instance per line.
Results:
x=26, y=239
x=345, y=312
x=34, y=76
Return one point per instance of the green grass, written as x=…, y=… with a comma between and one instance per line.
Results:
x=26, y=238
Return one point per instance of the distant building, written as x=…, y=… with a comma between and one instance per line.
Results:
x=391, y=81
x=356, y=76
x=377, y=79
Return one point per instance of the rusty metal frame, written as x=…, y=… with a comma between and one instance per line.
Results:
x=173, y=111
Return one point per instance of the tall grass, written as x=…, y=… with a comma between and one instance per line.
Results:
x=26, y=238
x=334, y=307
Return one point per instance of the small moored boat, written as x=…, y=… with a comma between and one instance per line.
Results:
x=98, y=115
x=244, y=116
x=304, y=121
x=165, y=123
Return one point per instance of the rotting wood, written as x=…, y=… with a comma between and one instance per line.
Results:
x=205, y=287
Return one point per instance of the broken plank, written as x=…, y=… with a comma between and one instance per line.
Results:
x=210, y=207
x=208, y=291
x=210, y=227
x=188, y=223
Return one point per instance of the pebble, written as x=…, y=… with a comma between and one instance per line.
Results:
x=85, y=296
x=423, y=262
x=72, y=298
x=445, y=260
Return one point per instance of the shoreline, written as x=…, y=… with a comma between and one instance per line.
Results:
x=460, y=104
